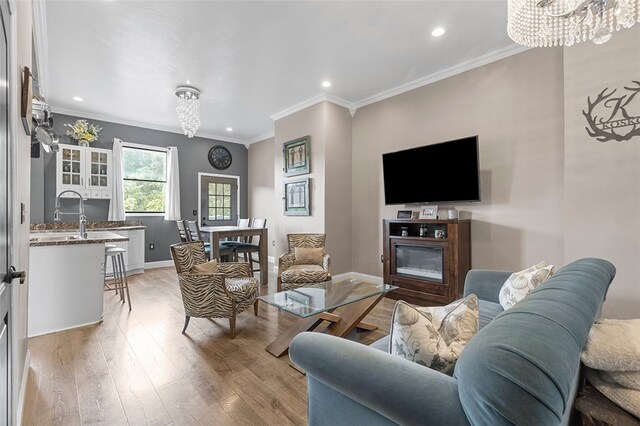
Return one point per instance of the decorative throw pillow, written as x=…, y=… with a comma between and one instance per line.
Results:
x=457, y=322
x=308, y=256
x=519, y=284
x=210, y=267
x=433, y=337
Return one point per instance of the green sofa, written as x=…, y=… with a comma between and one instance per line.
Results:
x=521, y=367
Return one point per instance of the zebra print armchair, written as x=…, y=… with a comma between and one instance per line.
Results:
x=217, y=295
x=294, y=273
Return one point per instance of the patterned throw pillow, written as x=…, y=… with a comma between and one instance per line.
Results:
x=519, y=284
x=210, y=267
x=433, y=336
x=308, y=256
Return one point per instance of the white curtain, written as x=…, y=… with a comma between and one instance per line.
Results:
x=116, y=206
x=172, y=194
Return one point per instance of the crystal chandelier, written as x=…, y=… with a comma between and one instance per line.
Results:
x=542, y=23
x=188, y=109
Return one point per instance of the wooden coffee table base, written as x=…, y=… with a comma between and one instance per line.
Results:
x=342, y=321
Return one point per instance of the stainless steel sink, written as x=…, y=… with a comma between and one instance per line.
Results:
x=43, y=238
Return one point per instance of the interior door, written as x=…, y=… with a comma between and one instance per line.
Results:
x=5, y=287
x=218, y=200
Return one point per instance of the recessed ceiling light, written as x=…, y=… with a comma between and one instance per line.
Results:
x=229, y=129
x=326, y=83
x=78, y=99
x=437, y=32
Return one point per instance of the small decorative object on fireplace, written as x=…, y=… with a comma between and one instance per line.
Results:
x=429, y=212
x=404, y=214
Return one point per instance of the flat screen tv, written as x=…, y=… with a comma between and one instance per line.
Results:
x=441, y=172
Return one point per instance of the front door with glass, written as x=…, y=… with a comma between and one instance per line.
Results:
x=218, y=200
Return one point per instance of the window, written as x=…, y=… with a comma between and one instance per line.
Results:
x=219, y=201
x=144, y=175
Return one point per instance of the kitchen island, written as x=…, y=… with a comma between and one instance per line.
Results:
x=66, y=282
x=134, y=257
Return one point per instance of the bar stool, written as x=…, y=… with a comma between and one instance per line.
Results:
x=107, y=287
x=120, y=280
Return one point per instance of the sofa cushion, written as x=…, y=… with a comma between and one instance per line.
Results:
x=520, y=283
x=487, y=311
x=304, y=274
x=433, y=336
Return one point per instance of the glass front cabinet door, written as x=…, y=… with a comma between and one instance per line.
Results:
x=85, y=170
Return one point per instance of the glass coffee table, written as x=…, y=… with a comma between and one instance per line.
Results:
x=343, y=304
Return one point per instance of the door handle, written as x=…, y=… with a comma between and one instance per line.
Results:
x=12, y=274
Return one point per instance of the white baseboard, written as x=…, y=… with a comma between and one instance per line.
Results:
x=357, y=276
x=158, y=264
x=23, y=387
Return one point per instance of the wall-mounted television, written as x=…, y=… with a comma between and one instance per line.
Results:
x=441, y=172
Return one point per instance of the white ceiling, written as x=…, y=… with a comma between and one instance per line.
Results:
x=252, y=60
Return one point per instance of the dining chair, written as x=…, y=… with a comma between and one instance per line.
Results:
x=234, y=241
x=182, y=231
x=250, y=247
x=226, y=252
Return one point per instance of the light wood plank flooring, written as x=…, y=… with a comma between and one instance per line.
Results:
x=137, y=368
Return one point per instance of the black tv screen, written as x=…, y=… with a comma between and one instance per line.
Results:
x=441, y=172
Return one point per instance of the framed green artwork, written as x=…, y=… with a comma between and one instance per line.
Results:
x=296, y=196
x=296, y=157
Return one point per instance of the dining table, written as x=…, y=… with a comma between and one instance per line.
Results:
x=219, y=233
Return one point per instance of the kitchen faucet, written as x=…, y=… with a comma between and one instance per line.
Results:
x=82, y=218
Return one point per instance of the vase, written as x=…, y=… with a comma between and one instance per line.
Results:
x=83, y=143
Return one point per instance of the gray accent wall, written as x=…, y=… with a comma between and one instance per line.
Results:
x=192, y=154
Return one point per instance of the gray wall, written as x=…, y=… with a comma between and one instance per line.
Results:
x=193, y=159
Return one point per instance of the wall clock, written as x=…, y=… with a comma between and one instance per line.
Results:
x=219, y=157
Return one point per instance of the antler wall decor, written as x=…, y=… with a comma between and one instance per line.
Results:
x=604, y=129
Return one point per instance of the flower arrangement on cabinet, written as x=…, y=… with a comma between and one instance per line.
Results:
x=83, y=131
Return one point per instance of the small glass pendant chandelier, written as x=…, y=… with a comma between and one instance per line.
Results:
x=188, y=109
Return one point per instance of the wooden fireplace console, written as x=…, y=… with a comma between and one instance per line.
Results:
x=440, y=279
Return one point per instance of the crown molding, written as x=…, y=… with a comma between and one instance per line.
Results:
x=260, y=138
x=312, y=101
x=41, y=46
x=487, y=58
x=118, y=120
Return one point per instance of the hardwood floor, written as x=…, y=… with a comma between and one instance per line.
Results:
x=138, y=368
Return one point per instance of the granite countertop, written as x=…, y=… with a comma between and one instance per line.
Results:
x=39, y=239
x=101, y=225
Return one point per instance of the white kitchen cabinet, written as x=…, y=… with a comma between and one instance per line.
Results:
x=134, y=255
x=85, y=170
